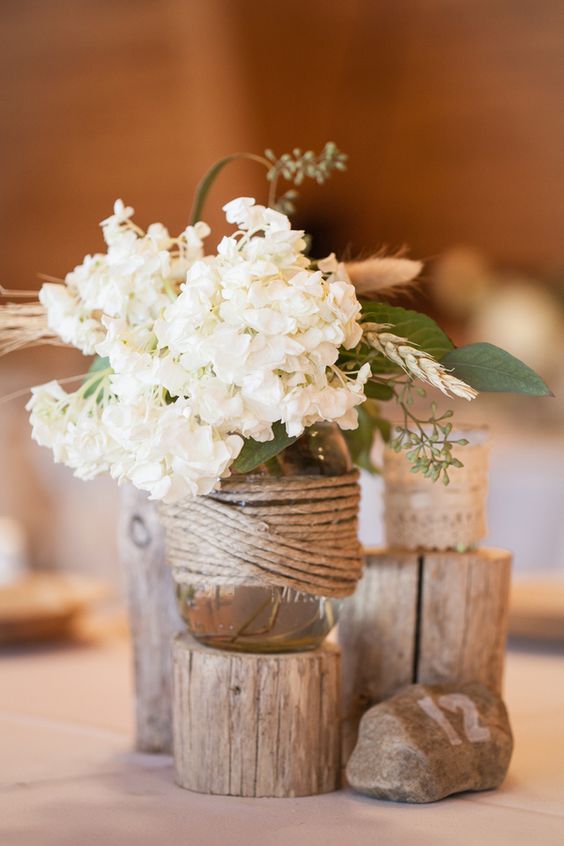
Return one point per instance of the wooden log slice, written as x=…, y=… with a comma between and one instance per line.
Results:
x=256, y=725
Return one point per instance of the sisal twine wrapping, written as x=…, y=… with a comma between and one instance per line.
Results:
x=298, y=532
x=421, y=514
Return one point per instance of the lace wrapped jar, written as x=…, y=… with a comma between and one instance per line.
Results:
x=421, y=514
x=262, y=563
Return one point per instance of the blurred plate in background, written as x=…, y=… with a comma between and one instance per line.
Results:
x=537, y=609
x=45, y=606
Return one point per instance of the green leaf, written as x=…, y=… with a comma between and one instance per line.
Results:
x=489, y=368
x=255, y=453
x=416, y=327
x=361, y=439
x=384, y=427
x=99, y=364
x=205, y=184
x=378, y=391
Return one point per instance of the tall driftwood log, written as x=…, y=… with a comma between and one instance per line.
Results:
x=426, y=617
x=153, y=618
x=256, y=725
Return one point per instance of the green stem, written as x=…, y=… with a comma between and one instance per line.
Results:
x=272, y=191
x=211, y=175
x=92, y=384
x=271, y=621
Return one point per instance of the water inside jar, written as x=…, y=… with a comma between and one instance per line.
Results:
x=248, y=618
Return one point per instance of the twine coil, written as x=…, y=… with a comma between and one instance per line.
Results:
x=298, y=532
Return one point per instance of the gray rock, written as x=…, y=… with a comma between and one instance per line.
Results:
x=429, y=741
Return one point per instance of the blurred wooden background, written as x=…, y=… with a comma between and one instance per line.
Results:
x=451, y=113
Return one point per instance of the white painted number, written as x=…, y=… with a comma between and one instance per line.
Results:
x=426, y=704
x=453, y=702
x=472, y=728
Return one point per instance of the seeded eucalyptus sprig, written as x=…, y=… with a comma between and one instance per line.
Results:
x=285, y=202
x=293, y=167
x=296, y=166
x=427, y=442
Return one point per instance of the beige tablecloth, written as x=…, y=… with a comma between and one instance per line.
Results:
x=69, y=778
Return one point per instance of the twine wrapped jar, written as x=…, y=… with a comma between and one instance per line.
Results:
x=421, y=514
x=262, y=563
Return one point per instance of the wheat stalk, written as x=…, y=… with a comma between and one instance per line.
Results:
x=416, y=362
x=24, y=325
x=382, y=275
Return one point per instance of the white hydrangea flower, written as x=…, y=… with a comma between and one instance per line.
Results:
x=257, y=332
x=133, y=281
x=204, y=350
x=68, y=318
x=168, y=452
x=71, y=426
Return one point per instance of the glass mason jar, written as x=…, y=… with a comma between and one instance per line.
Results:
x=260, y=618
x=422, y=514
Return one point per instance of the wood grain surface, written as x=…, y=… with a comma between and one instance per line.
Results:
x=256, y=725
x=153, y=618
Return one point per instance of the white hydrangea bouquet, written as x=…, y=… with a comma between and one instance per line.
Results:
x=213, y=362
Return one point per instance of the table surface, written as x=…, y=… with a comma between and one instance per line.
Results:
x=68, y=775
